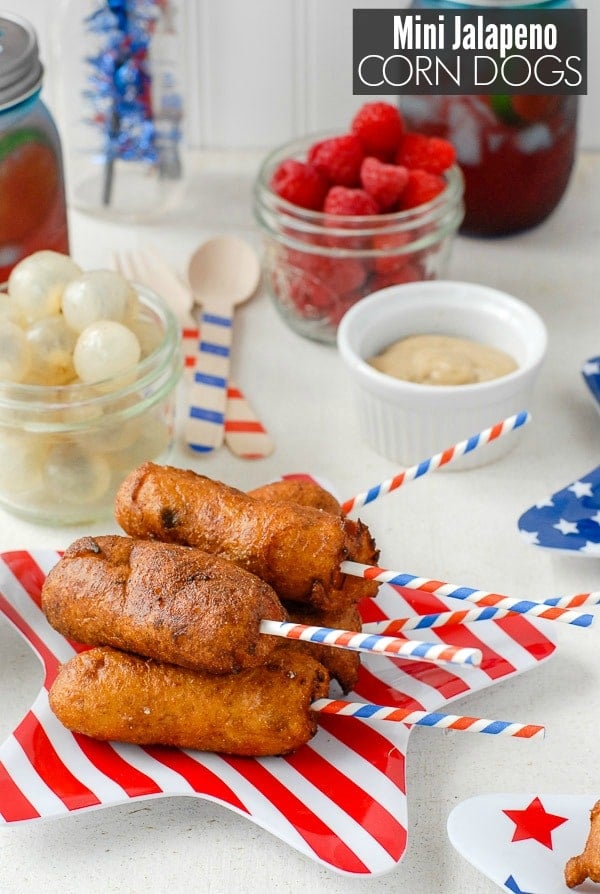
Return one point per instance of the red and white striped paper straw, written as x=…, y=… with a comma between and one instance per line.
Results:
x=457, y=591
x=432, y=719
x=393, y=626
x=435, y=462
x=393, y=647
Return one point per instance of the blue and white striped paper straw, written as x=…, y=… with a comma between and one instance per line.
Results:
x=439, y=459
x=432, y=719
x=394, y=647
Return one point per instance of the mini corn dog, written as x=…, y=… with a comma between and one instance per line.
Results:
x=303, y=491
x=306, y=492
x=162, y=601
x=111, y=695
x=296, y=549
x=342, y=664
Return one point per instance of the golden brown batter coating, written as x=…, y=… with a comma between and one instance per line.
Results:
x=309, y=493
x=342, y=664
x=110, y=695
x=298, y=490
x=162, y=601
x=296, y=549
x=587, y=864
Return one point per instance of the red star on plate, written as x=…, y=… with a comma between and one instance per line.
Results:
x=534, y=822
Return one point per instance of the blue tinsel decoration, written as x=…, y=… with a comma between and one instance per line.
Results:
x=120, y=82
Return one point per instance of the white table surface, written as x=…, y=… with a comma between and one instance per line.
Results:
x=458, y=526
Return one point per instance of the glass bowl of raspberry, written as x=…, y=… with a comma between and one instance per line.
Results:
x=344, y=215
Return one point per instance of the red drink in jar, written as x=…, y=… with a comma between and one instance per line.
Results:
x=516, y=153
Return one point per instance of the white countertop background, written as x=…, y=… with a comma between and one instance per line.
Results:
x=458, y=526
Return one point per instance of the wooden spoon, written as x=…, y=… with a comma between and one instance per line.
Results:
x=222, y=273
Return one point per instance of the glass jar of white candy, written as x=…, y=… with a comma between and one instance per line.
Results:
x=88, y=369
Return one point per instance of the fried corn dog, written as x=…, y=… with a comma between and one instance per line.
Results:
x=587, y=864
x=296, y=549
x=161, y=601
x=298, y=490
x=342, y=664
x=110, y=695
x=308, y=493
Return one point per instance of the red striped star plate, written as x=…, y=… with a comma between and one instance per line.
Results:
x=341, y=799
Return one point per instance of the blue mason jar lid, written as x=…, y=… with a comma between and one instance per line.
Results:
x=20, y=68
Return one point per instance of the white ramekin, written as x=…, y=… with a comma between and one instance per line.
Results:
x=408, y=422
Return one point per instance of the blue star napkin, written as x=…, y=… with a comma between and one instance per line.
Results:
x=569, y=519
x=591, y=376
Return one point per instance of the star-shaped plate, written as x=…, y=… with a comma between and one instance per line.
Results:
x=522, y=842
x=341, y=800
x=567, y=520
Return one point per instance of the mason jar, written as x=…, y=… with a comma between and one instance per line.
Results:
x=516, y=152
x=318, y=265
x=65, y=449
x=32, y=194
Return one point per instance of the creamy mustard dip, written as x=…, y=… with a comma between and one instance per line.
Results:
x=442, y=360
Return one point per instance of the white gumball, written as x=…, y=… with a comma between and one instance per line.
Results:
x=104, y=350
x=98, y=295
x=36, y=284
x=149, y=333
x=153, y=444
x=74, y=475
x=14, y=353
x=7, y=309
x=21, y=459
x=51, y=343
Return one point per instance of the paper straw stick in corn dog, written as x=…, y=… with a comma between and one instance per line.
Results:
x=457, y=591
x=267, y=710
x=432, y=719
x=444, y=458
x=189, y=608
x=391, y=646
x=578, y=600
x=393, y=626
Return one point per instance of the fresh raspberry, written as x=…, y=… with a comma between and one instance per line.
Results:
x=342, y=274
x=390, y=257
x=341, y=200
x=379, y=125
x=301, y=294
x=300, y=183
x=384, y=183
x=310, y=298
x=339, y=274
x=338, y=159
x=432, y=154
x=409, y=272
x=344, y=304
x=422, y=187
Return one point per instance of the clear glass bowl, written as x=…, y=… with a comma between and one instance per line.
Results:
x=318, y=265
x=65, y=449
